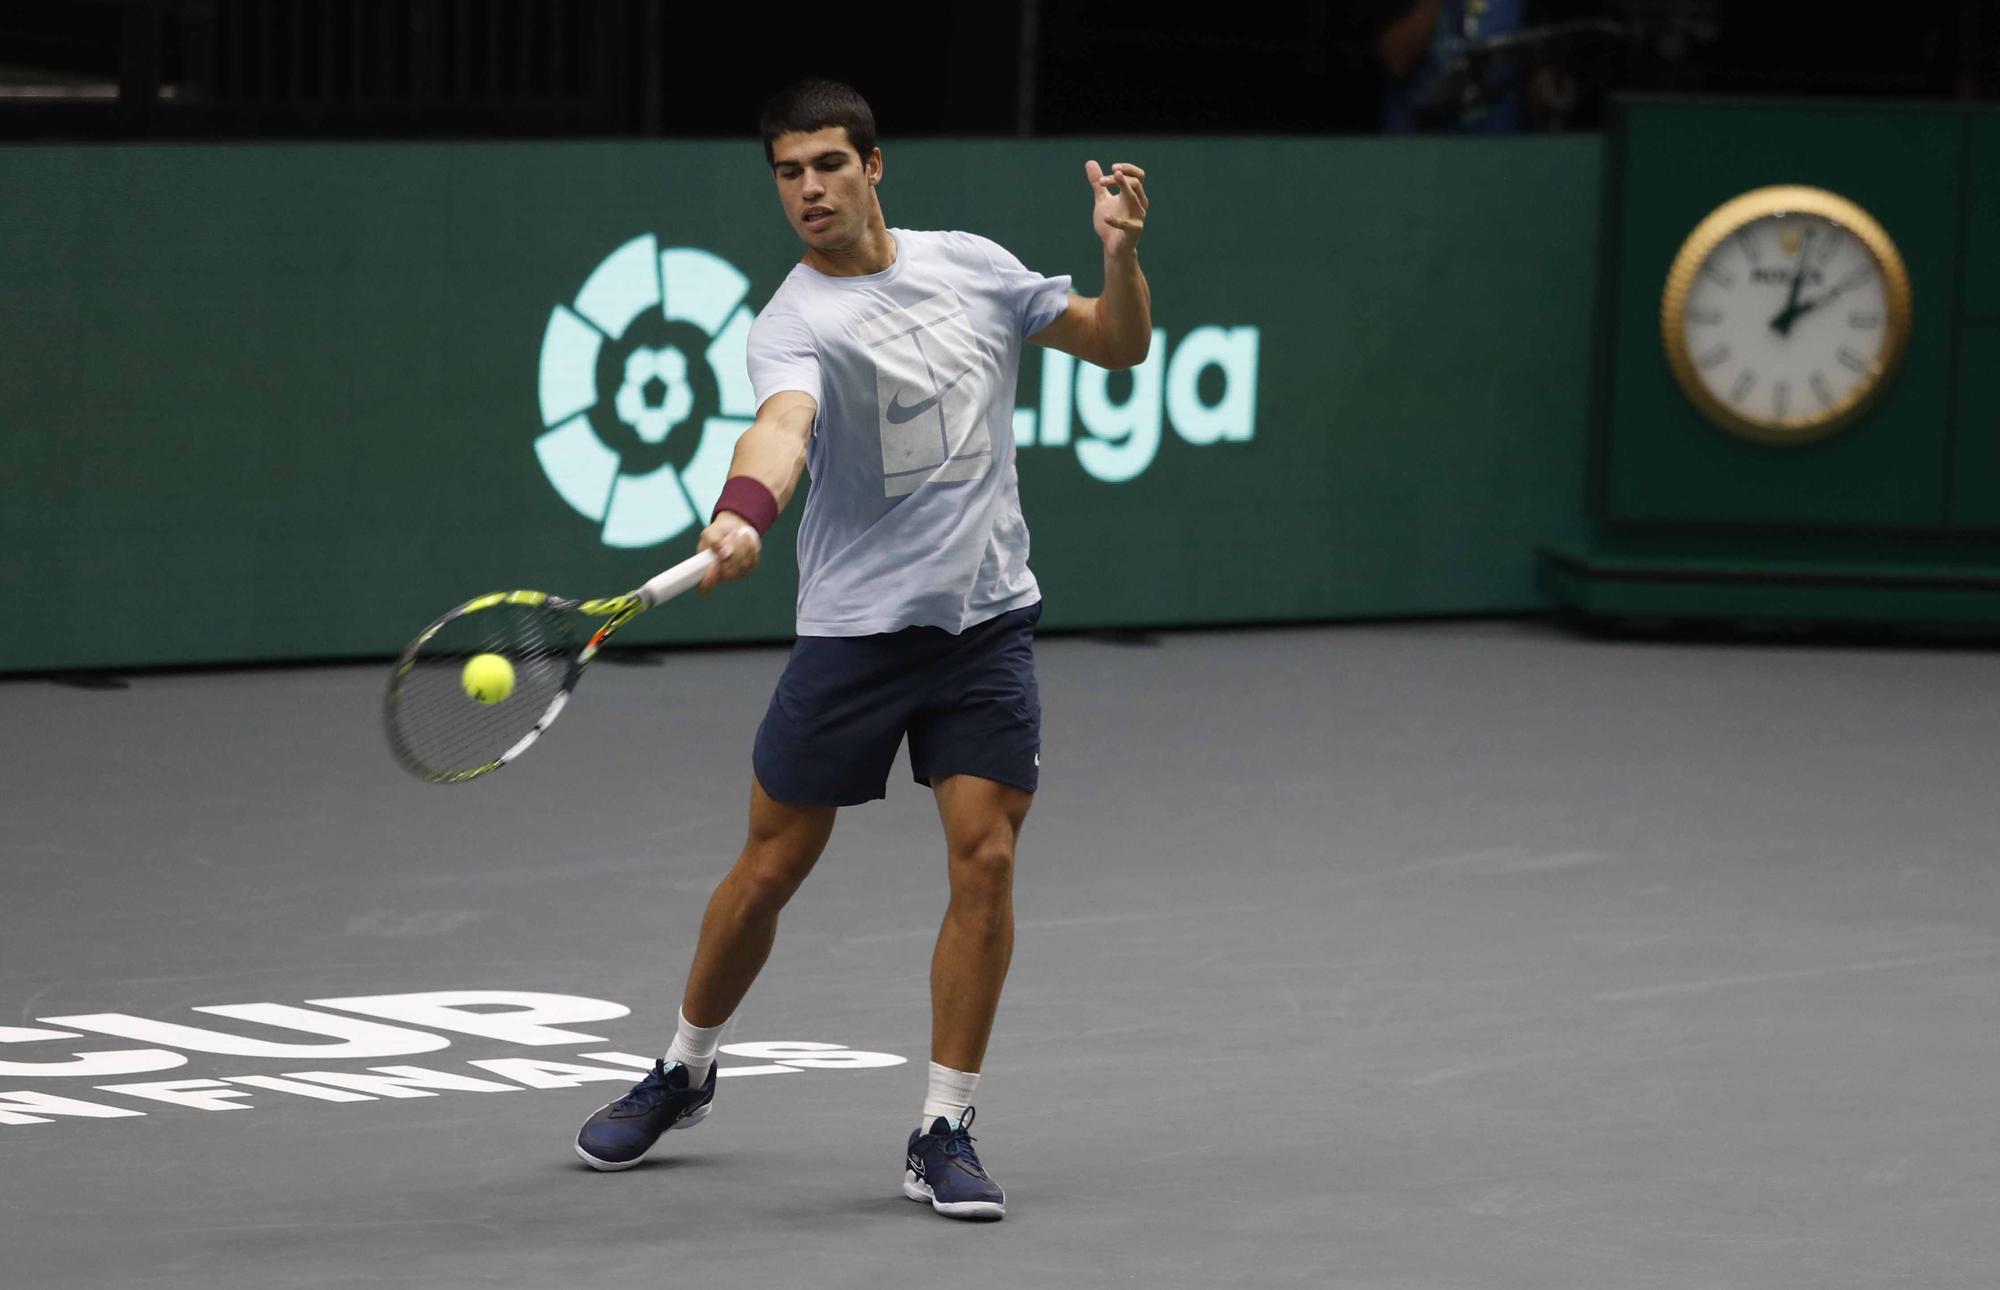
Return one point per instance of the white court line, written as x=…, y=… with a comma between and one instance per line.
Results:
x=1796, y=974
x=1048, y=924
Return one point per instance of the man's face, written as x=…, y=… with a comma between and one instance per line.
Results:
x=825, y=186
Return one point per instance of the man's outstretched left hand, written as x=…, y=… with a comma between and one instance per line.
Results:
x=1119, y=215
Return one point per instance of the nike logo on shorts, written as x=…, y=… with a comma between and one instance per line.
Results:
x=899, y=412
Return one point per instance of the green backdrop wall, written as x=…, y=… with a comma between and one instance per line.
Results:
x=266, y=402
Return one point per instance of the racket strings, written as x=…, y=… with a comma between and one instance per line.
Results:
x=438, y=728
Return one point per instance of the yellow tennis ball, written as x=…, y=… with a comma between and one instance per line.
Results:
x=488, y=678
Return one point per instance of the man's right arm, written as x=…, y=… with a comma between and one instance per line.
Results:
x=772, y=453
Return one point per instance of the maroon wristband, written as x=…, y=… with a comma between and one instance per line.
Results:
x=749, y=499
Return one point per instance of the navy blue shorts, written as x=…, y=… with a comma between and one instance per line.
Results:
x=967, y=702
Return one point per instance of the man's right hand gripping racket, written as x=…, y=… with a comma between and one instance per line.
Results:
x=445, y=728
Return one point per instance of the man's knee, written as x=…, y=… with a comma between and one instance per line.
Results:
x=983, y=869
x=770, y=870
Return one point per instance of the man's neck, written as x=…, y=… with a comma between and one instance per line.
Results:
x=875, y=252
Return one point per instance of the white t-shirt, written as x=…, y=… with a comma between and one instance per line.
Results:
x=914, y=516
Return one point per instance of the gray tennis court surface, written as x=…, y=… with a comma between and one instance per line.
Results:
x=1460, y=955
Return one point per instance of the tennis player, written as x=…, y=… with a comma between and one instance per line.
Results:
x=886, y=365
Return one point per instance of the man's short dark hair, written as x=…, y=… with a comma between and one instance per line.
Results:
x=809, y=105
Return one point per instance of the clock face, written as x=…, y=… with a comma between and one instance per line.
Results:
x=1782, y=322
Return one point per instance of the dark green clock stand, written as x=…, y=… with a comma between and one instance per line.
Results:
x=1895, y=519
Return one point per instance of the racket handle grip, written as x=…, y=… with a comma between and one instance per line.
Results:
x=664, y=587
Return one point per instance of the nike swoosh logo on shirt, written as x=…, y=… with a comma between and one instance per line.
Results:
x=898, y=411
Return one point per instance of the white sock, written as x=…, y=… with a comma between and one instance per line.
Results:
x=694, y=1048
x=950, y=1093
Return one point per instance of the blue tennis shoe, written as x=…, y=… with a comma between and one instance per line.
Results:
x=942, y=1168
x=623, y=1131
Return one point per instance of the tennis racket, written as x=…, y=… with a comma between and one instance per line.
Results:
x=440, y=733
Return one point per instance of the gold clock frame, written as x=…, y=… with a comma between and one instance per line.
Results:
x=1721, y=224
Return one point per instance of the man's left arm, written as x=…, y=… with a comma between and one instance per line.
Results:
x=1114, y=330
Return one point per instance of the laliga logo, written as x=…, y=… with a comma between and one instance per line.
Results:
x=640, y=318
x=1208, y=390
